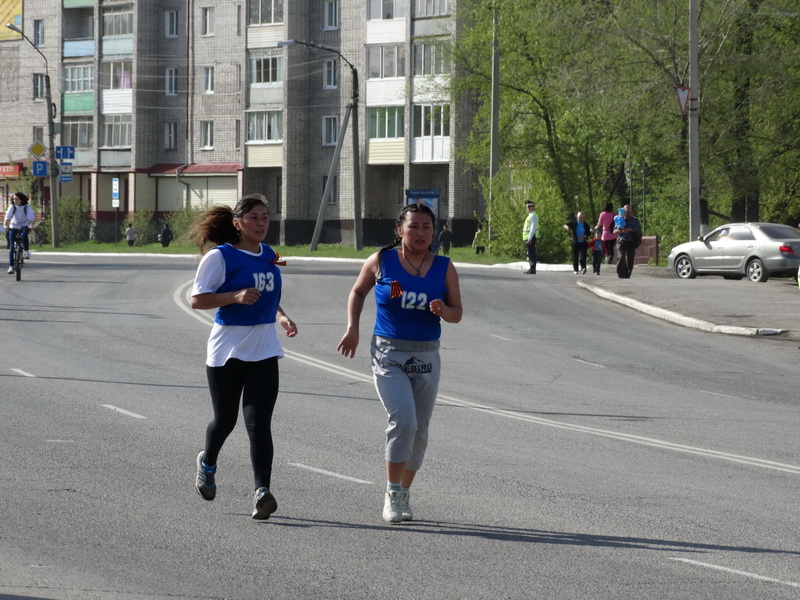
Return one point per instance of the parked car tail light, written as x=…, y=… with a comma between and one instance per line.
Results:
x=785, y=249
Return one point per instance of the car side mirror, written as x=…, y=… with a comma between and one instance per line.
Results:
x=700, y=238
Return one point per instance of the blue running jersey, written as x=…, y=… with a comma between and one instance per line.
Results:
x=243, y=270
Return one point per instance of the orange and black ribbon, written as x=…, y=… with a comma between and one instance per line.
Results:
x=396, y=291
x=277, y=260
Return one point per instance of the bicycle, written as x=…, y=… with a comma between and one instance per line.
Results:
x=19, y=252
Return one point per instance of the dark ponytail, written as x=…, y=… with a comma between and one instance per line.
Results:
x=215, y=226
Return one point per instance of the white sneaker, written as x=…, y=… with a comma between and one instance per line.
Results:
x=26, y=254
x=10, y=270
x=405, y=508
x=392, y=506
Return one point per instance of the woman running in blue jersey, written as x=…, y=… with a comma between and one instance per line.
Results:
x=414, y=290
x=240, y=277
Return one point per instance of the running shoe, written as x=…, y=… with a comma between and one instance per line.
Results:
x=393, y=505
x=10, y=270
x=405, y=507
x=204, y=482
x=264, y=504
x=26, y=254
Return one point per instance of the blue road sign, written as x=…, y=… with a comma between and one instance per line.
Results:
x=65, y=152
x=40, y=168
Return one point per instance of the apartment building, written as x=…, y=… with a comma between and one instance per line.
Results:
x=177, y=103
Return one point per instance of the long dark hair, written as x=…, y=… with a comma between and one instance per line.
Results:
x=23, y=199
x=609, y=207
x=215, y=226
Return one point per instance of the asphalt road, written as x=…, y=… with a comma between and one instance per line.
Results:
x=580, y=449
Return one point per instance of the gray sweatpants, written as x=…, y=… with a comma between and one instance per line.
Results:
x=406, y=376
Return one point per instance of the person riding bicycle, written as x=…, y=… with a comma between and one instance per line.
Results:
x=18, y=220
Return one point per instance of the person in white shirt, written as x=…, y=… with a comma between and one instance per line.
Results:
x=18, y=220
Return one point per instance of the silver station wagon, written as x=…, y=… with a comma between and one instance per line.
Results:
x=753, y=250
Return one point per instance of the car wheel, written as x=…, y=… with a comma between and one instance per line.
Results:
x=684, y=268
x=756, y=271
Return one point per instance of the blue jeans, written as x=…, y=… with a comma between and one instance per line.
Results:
x=12, y=237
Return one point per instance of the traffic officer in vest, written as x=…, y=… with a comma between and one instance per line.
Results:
x=529, y=233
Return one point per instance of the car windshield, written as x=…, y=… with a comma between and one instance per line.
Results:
x=778, y=232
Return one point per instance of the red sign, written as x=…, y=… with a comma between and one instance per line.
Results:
x=11, y=170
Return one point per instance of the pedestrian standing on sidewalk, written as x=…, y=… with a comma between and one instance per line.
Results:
x=414, y=290
x=605, y=222
x=579, y=237
x=530, y=231
x=629, y=236
x=240, y=278
x=598, y=249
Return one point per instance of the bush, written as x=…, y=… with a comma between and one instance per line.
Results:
x=73, y=222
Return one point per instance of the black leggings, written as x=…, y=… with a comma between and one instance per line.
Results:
x=256, y=383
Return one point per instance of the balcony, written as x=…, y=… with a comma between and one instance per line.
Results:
x=78, y=47
x=78, y=3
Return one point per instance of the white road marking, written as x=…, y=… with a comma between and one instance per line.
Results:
x=23, y=373
x=330, y=473
x=737, y=572
x=718, y=394
x=510, y=414
x=500, y=337
x=60, y=441
x=123, y=411
x=588, y=362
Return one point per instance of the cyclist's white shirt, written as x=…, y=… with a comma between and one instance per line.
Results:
x=21, y=216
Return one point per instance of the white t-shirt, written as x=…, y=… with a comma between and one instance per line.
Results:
x=21, y=216
x=250, y=343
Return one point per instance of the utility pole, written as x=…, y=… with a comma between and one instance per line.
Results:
x=494, y=145
x=694, y=122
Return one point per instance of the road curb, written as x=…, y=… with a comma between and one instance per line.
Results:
x=677, y=318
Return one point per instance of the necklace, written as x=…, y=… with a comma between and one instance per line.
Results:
x=417, y=269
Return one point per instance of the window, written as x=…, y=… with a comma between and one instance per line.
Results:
x=431, y=59
x=264, y=12
x=386, y=122
x=431, y=120
x=38, y=32
x=171, y=82
x=207, y=135
x=116, y=75
x=334, y=188
x=78, y=78
x=118, y=20
x=39, y=88
x=331, y=15
x=171, y=23
x=38, y=134
x=208, y=80
x=330, y=130
x=207, y=22
x=78, y=132
x=265, y=126
x=386, y=9
x=384, y=62
x=170, y=136
x=116, y=131
x=265, y=66
x=432, y=8
x=238, y=133
x=331, y=74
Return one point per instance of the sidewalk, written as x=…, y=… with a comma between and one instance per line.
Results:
x=709, y=303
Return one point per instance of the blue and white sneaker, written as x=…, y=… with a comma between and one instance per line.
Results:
x=264, y=504
x=205, y=484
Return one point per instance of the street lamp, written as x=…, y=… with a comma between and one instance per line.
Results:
x=53, y=164
x=352, y=106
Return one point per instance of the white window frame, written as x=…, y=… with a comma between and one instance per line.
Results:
x=431, y=120
x=38, y=33
x=386, y=9
x=171, y=81
x=117, y=20
x=78, y=132
x=330, y=130
x=208, y=80
x=207, y=20
x=377, y=57
x=170, y=23
x=432, y=8
x=257, y=15
x=264, y=126
x=385, y=122
x=431, y=58
x=330, y=15
x=38, y=133
x=78, y=78
x=206, y=135
x=330, y=74
x=116, y=131
x=112, y=74
x=265, y=68
x=171, y=135
x=39, y=86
